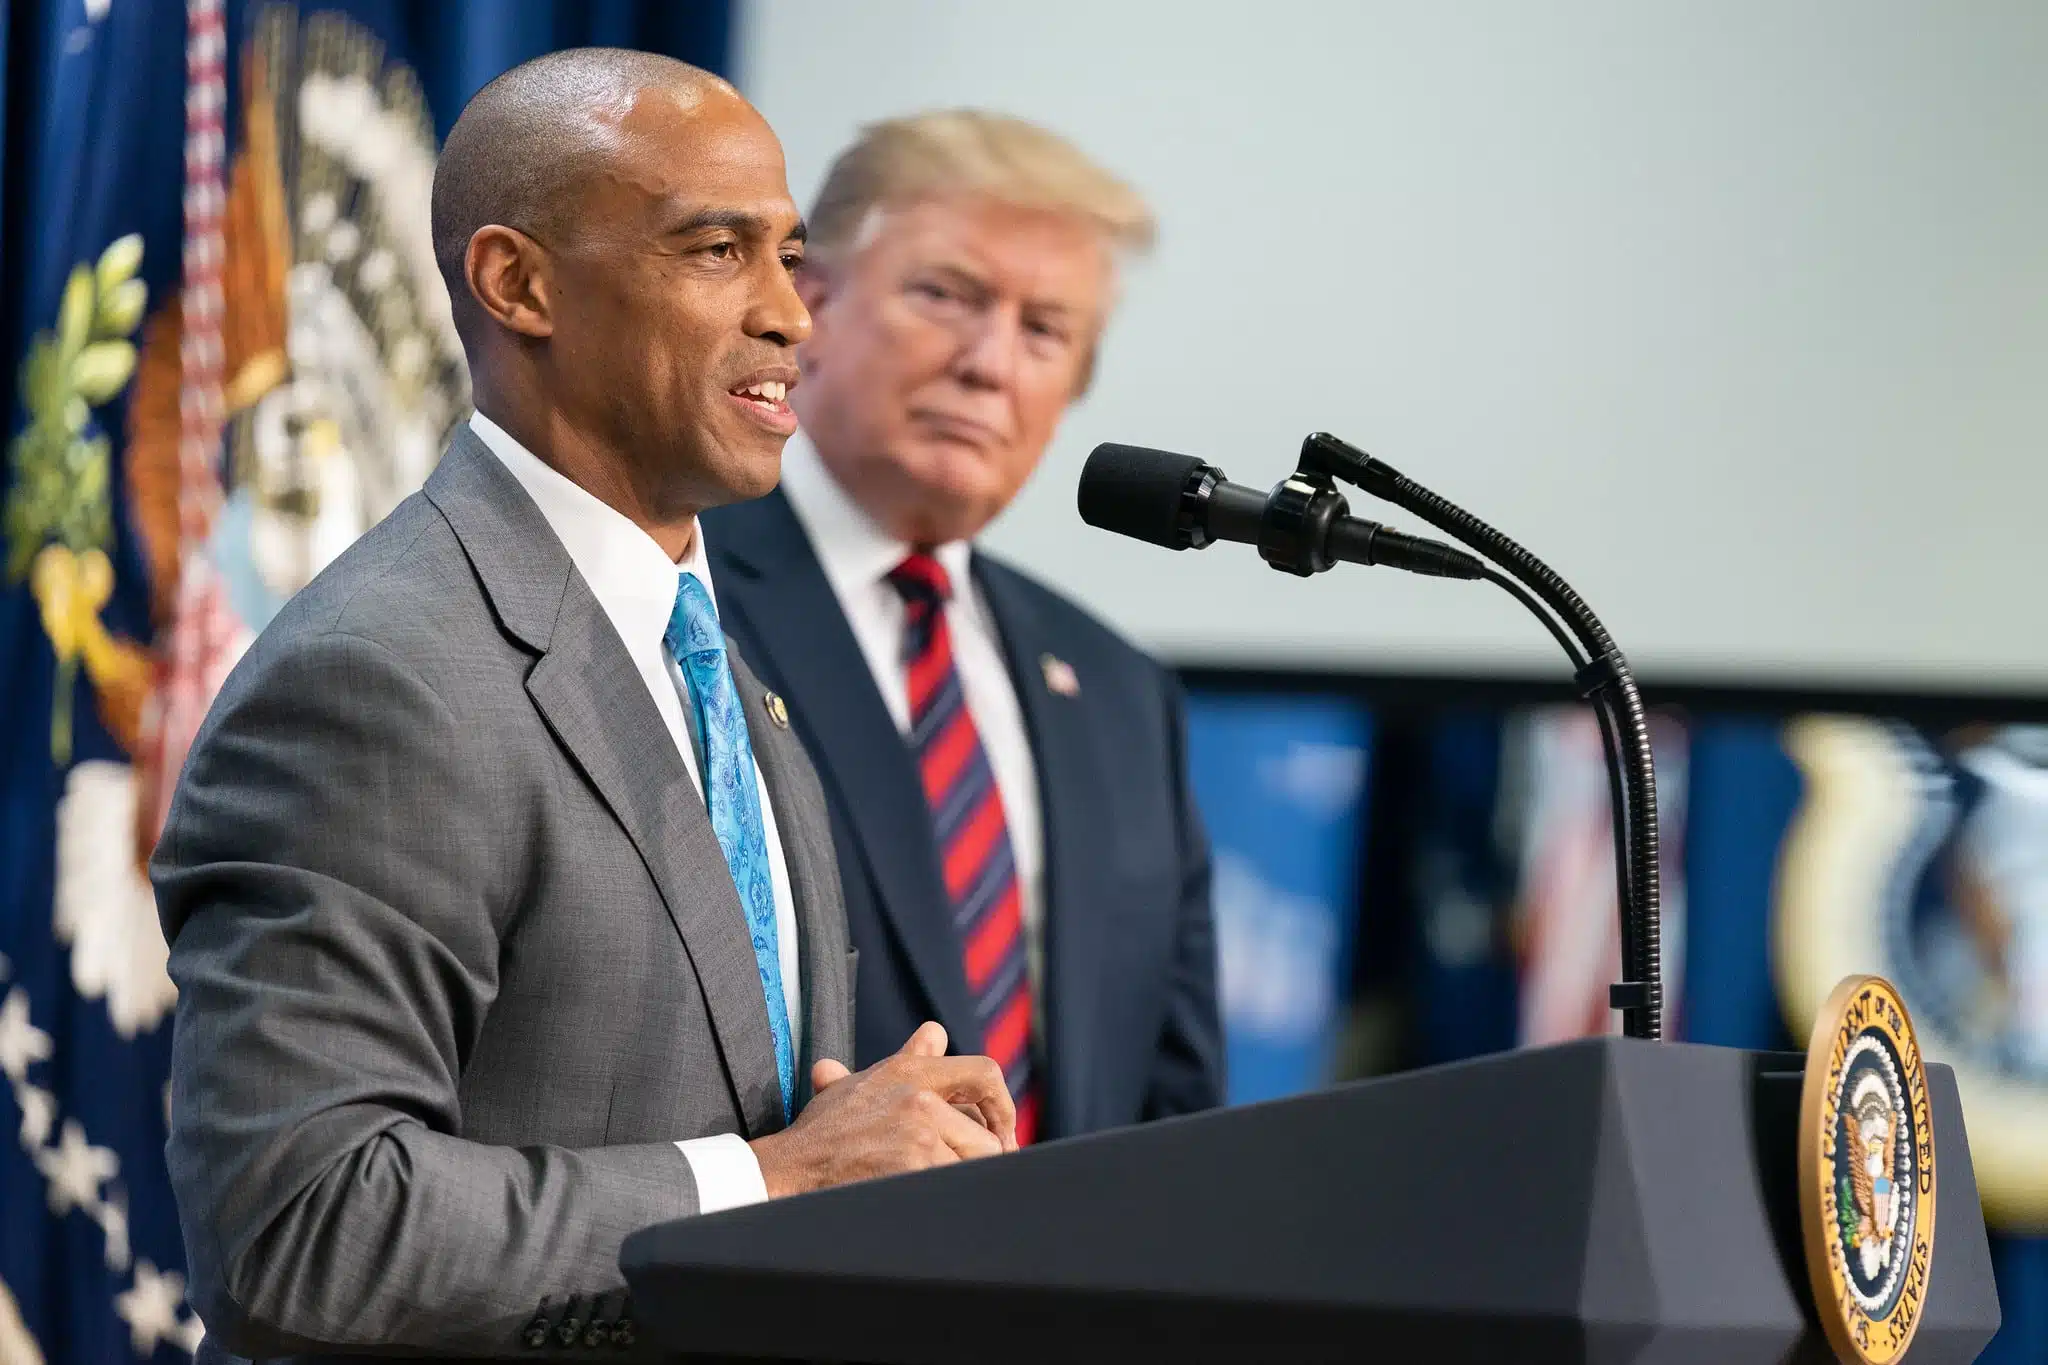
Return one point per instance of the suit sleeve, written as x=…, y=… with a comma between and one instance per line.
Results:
x=1187, y=1069
x=333, y=878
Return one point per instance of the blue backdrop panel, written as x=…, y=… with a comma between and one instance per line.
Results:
x=1281, y=784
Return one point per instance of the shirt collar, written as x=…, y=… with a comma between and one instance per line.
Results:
x=632, y=578
x=854, y=551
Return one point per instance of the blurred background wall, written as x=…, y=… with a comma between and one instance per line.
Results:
x=1739, y=316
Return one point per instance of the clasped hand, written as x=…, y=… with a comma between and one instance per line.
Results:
x=917, y=1109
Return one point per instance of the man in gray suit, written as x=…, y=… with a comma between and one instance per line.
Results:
x=501, y=896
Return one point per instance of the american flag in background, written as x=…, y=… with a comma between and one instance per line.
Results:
x=205, y=638
x=1565, y=924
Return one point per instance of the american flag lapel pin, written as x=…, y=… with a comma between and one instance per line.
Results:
x=1059, y=676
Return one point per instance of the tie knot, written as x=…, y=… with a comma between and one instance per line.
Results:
x=922, y=579
x=693, y=622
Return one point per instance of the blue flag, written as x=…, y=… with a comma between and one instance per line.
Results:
x=90, y=1252
x=231, y=353
x=1281, y=787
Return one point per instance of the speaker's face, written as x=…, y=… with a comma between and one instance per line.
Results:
x=660, y=318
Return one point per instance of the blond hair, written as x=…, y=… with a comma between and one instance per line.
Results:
x=971, y=151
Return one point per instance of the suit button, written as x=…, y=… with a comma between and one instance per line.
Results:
x=570, y=1329
x=536, y=1334
x=599, y=1331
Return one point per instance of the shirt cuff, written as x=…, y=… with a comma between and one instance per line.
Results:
x=727, y=1173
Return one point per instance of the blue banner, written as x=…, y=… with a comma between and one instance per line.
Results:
x=1281, y=786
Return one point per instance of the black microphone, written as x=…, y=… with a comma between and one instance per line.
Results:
x=1302, y=526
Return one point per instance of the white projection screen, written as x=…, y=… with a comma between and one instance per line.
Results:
x=1735, y=313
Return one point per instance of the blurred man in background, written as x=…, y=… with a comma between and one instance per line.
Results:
x=1020, y=855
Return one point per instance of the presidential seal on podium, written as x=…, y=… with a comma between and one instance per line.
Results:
x=1866, y=1172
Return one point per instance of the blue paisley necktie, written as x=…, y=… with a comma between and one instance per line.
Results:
x=697, y=643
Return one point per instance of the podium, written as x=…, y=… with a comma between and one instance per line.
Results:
x=1607, y=1200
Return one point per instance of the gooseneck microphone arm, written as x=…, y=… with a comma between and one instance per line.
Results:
x=1303, y=526
x=1617, y=795
x=1604, y=679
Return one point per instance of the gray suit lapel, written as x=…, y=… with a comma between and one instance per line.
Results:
x=806, y=833
x=586, y=688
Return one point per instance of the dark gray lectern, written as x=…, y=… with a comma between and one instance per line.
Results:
x=1607, y=1200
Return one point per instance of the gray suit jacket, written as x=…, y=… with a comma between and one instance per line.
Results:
x=458, y=955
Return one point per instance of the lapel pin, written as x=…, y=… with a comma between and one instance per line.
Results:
x=1059, y=675
x=777, y=712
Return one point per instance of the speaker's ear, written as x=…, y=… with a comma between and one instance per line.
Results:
x=507, y=274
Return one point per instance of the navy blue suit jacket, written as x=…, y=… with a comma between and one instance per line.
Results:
x=1130, y=1020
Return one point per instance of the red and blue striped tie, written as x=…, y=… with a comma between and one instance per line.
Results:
x=973, y=840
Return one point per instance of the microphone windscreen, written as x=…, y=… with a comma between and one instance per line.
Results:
x=1135, y=491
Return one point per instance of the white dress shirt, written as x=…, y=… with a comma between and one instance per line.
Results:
x=635, y=582
x=857, y=555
